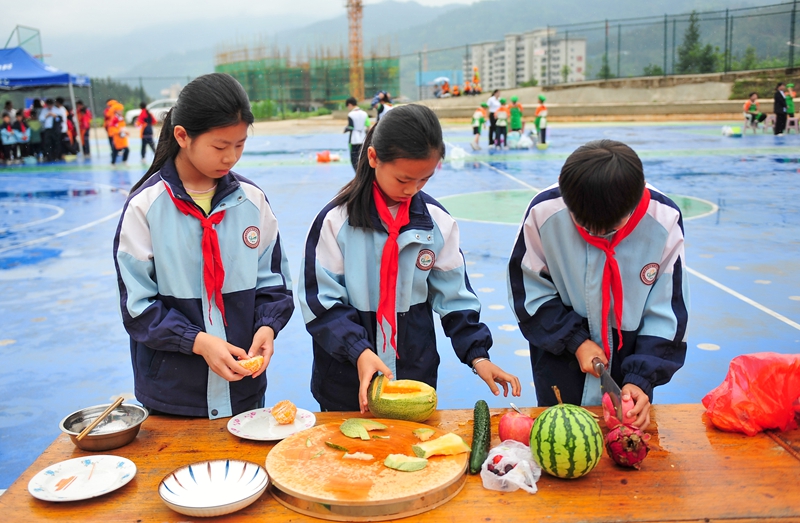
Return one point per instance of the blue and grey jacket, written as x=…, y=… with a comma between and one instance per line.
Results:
x=554, y=280
x=339, y=290
x=159, y=262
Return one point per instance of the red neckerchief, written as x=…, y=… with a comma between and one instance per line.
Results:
x=387, y=302
x=9, y=129
x=213, y=271
x=612, y=280
x=21, y=126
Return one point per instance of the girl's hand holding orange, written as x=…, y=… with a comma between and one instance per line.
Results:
x=219, y=354
x=263, y=345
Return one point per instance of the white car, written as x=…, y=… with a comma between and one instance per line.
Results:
x=157, y=108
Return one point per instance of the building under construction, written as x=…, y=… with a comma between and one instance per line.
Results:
x=304, y=83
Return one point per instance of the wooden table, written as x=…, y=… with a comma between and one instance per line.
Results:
x=695, y=473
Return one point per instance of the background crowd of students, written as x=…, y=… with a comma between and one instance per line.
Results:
x=43, y=132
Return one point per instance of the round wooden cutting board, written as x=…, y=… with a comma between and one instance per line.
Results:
x=312, y=478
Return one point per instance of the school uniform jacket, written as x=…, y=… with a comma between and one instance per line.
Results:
x=554, y=280
x=339, y=291
x=159, y=262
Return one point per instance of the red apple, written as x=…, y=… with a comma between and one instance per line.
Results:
x=515, y=426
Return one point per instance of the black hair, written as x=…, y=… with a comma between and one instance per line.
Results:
x=779, y=85
x=207, y=102
x=142, y=105
x=602, y=183
x=79, y=101
x=409, y=132
x=751, y=94
x=351, y=101
x=60, y=100
x=495, y=92
x=49, y=101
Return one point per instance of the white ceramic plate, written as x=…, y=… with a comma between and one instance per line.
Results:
x=261, y=425
x=213, y=488
x=82, y=478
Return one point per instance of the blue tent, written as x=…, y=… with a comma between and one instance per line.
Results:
x=19, y=70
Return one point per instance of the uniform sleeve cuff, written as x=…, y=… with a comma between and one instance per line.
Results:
x=476, y=352
x=581, y=335
x=187, y=341
x=355, y=350
x=640, y=382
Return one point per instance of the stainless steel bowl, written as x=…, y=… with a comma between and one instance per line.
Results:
x=118, y=429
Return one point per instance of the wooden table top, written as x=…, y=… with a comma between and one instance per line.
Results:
x=694, y=473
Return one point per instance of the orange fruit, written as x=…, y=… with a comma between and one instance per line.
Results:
x=284, y=412
x=253, y=364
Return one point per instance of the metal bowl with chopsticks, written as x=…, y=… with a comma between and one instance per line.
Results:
x=119, y=427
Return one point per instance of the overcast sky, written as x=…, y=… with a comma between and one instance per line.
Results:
x=106, y=17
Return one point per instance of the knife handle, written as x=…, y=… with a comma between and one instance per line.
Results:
x=598, y=367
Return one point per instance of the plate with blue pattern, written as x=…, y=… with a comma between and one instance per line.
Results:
x=82, y=478
x=213, y=488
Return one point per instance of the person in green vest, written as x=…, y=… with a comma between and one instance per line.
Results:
x=478, y=121
x=790, y=100
x=516, y=115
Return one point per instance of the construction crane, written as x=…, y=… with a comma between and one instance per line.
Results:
x=355, y=13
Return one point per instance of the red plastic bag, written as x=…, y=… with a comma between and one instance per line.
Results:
x=760, y=392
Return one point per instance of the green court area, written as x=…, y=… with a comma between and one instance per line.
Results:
x=508, y=207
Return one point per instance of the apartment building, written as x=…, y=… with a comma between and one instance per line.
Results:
x=540, y=54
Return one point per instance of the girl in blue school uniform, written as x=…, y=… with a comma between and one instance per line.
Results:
x=379, y=259
x=202, y=274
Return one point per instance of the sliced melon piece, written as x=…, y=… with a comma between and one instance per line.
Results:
x=362, y=456
x=405, y=463
x=358, y=427
x=446, y=445
x=423, y=434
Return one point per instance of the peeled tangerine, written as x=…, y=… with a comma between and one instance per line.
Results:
x=252, y=364
x=626, y=444
x=284, y=412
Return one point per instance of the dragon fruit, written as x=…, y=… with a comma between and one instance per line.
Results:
x=626, y=444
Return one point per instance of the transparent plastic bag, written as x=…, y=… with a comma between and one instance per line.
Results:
x=516, y=465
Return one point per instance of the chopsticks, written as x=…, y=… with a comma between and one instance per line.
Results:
x=100, y=418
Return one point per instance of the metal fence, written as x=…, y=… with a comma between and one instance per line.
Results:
x=752, y=38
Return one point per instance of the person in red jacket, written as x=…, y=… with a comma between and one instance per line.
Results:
x=145, y=124
x=85, y=123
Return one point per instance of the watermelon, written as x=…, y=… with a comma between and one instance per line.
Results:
x=401, y=399
x=566, y=440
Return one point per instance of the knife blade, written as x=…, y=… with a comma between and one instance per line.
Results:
x=609, y=386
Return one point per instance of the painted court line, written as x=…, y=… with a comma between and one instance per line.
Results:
x=495, y=169
x=745, y=299
x=60, y=234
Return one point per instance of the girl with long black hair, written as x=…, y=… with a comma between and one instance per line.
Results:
x=202, y=275
x=378, y=260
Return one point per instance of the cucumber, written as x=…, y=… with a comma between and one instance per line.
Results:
x=481, y=436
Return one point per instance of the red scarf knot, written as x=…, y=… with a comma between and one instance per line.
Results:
x=612, y=280
x=213, y=270
x=387, y=303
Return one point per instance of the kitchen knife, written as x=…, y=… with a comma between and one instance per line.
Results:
x=609, y=386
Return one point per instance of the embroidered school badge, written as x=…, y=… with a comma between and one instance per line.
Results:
x=251, y=236
x=425, y=259
x=649, y=273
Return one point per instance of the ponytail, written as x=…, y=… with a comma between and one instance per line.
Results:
x=406, y=132
x=207, y=102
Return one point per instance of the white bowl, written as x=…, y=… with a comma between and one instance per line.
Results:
x=213, y=488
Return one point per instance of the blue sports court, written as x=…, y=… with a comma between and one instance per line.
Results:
x=62, y=345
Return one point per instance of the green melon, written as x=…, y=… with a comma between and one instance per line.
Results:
x=566, y=440
x=401, y=399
